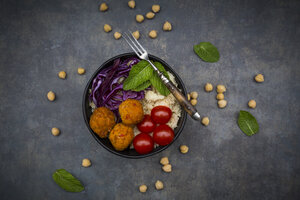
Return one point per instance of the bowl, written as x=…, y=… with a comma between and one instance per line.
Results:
x=104, y=142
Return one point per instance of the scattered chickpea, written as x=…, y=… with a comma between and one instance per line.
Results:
x=143, y=188
x=220, y=96
x=55, y=131
x=51, y=96
x=164, y=160
x=136, y=34
x=86, y=162
x=117, y=35
x=139, y=18
x=221, y=88
x=80, y=70
x=103, y=7
x=184, y=149
x=62, y=74
x=153, y=34
x=150, y=15
x=205, y=121
x=107, y=28
x=259, y=78
x=159, y=185
x=194, y=95
x=131, y=4
x=208, y=87
x=194, y=102
x=167, y=26
x=167, y=168
x=188, y=97
x=222, y=103
x=252, y=104
x=156, y=8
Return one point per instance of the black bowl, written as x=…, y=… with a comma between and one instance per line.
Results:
x=87, y=112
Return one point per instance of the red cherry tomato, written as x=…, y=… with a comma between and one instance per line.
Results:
x=147, y=125
x=161, y=114
x=163, y=135
x=143, y=143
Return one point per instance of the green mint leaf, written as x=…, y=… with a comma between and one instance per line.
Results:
x=142, y=86
x=247, y=123
x=139, y=73
x=67, y=181
x=157, y=82
x=207, y=52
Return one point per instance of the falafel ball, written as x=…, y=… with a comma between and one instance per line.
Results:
x=121, y=136
x=131, y=111
x=102, y=121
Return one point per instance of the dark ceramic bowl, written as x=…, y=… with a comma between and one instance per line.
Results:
x=87, y=112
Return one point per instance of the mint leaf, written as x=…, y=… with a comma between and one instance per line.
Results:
x=139, y=73
x=157, y=82
x=142, y=86
x=207, y=52
x=67, y=181
x=248, y=123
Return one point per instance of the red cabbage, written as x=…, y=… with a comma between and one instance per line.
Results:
x=107, y=88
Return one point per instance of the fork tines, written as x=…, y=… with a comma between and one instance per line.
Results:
x=134, y=44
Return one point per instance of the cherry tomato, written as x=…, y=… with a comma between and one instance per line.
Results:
x=143, y=143
x=147, y=125
x=163, y=135
x=161, y=114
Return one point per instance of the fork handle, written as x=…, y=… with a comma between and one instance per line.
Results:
x=188, y=107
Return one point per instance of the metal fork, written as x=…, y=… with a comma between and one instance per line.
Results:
x=143, y=54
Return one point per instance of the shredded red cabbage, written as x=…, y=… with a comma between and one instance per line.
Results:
x=107, y=87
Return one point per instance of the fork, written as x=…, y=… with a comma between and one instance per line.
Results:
x=143, y=54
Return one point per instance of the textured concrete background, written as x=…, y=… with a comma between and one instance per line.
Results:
x=38, y=38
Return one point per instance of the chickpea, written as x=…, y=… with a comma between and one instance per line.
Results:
x=86, y=162
x=205, y=121
x=117, y=35
x=159, y=185
x=131, y=4
x=188, y=97
x=167, y=26
x=51, y=96
x=107, y=28
x=136, y=34
x=220, y=96
x=55, y=131
x=103, y=7
x=209, y=87
x=62, y=74
x=194, y=95
x=252, y=104
x=167, y=168
x=80, y=70
x=221, y=88
x=164, y=160
x=153, y=34
x=150, y=15
x=143, y=188
x=222, y=103
x=194, y=102
x=139, y=18
x=156, y=8
x=184, y=149
x=259, y=78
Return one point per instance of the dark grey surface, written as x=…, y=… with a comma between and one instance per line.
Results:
x=39, y=38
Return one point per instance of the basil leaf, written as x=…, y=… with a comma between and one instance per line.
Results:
x=139, y=73
x=247, y=123
x=67, y=181
x=142, y=86
x=157, y=82
x=207, y=52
